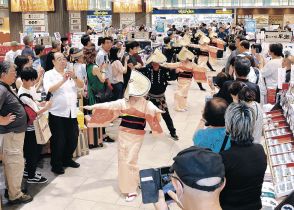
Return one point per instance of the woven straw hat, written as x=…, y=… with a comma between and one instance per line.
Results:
x=138, y=86
x=156, y=57
x=185, y=54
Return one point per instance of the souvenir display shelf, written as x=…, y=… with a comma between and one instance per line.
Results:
x=278, y=133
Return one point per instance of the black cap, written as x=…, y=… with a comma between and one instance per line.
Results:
x=195, y=163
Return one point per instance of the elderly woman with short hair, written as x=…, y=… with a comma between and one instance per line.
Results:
x=245, y=162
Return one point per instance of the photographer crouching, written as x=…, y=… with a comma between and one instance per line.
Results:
x=196, y=179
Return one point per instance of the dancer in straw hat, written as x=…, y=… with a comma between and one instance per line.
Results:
x=186, y=69
x=159, y=77
x=135, y=111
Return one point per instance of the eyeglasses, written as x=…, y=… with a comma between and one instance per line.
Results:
x=172, y=176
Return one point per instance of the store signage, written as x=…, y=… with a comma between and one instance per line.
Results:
x=224, y=12
x=36, y=16
x=34, y=22
x=74, y=15
x=276, y=36
x=193, y=11
x=35, y=28
x=186, y=11
x=99, y=13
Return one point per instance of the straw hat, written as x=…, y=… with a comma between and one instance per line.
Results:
x=14, y=44
x=77, y=53
x=185, y=54
x=138, y=86
x=156, y=57
x=185, y=41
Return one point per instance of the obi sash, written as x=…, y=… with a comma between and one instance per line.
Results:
x=133, y=122
x=186, y=74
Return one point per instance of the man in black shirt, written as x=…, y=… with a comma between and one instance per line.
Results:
x=242, y=69
x=159, y=78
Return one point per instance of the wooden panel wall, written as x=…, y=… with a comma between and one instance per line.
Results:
x=84, y=20
x=58, y=21
x=15, y=24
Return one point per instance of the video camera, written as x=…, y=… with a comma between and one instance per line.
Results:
x=153, y=180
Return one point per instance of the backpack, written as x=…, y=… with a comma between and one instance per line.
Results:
x=31, y=114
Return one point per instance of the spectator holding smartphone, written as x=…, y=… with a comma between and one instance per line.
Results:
x=198, y=178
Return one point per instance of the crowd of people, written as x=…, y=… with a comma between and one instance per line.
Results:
x=225, y=167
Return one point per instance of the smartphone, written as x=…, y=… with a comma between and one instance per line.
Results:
x=106, y=59
x=214, y=81
x=166, y=184
x=48, y=96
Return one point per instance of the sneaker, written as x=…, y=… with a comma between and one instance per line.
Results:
x=37, y=180
x=26, y=174
x=174, y=136
x=107, y=139
x=25, y=198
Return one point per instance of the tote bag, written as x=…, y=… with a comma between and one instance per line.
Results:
x=42, y=130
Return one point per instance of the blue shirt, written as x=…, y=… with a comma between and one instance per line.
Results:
x=211, y=138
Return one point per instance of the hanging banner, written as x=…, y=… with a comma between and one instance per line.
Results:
x=32, y=5
x=250, y=25
x=128, y=6
x=77, y=5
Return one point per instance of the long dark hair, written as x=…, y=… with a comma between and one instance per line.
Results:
x=113, y=54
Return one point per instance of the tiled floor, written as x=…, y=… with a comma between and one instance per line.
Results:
x=94, y=185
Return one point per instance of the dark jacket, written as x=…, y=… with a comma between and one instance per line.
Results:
x=224, y=91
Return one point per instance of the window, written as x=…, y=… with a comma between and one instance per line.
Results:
x=206, y=3
x=99, y=5
x=4, y=3
x=276, y=2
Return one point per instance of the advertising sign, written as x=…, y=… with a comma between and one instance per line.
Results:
x=250, y=25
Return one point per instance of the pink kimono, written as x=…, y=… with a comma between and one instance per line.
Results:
x=135, y=112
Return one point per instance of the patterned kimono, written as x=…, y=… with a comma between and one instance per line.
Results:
x=134, y=113
x=184, y=83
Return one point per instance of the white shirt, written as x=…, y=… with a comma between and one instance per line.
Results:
x=270, y=72
x=11, y=55
x=64, y=100
x=101, y=57
x=28, y=101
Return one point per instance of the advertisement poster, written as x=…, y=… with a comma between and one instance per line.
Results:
x=32, y=5
x=160, y=26
x=250, y=25
x=261, y=20
x=77, y=5
x=99, y=19
x=128, y=6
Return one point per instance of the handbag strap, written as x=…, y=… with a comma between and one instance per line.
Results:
x=224, y=142
x=9, y=89
x=26, y=95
